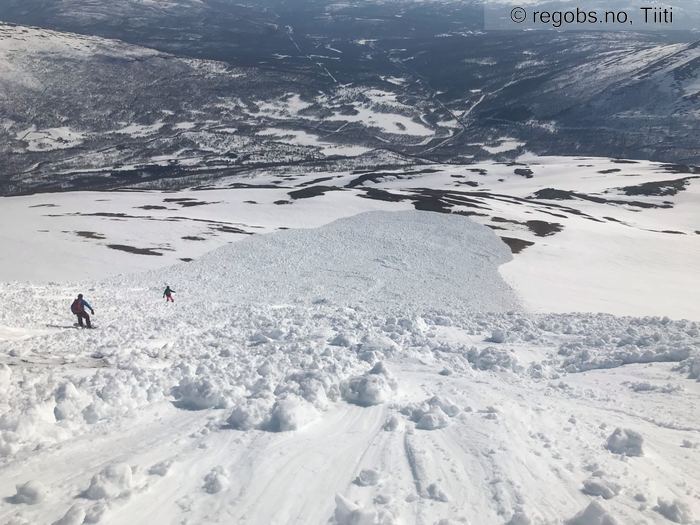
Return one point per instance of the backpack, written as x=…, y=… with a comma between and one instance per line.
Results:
x=76, y=307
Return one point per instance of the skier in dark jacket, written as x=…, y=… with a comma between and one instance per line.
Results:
x=78, y=309
x=168, y=294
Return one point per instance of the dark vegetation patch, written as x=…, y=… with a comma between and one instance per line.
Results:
x=135, y=251
x=544, y=228
x=524, y=172
x=554, y=194
x=90, y=235
x=373, y=177
x=45, y=206
x=624, y=161
x=539, y=228
x=480, y=171
x=189, y=204
x=151, y=207
x=281, y=202
x=516, y=245
x=558, y=215
x=494, y=227
x=312, y=191
x=378, y=176
x=104, y=214
x=244, y=186
x=470, y=213
x=382, y=195
x=230, y=229
x=501, y=219
x=660, y=188
x=681, y=168
x=316, y=181
x=249, y=202
x=193, y=238
x=186, y=259
x=611, y=170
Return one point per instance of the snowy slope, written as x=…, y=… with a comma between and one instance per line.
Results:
x=231, y=406
x=627, y=230
x=363, y=261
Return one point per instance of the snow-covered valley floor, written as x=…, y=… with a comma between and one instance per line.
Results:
x=343, y=375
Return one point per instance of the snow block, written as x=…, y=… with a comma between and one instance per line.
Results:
x=349, y=513
x=600, y=487
x=367, y=478
x=372, y=388
x=289, y=414
x=492, y=358
x=594, y=514
x=675, y=511
x=73, y=516
x=112, y=482
x=30, y=493
x=216, y=481
x=626, y=442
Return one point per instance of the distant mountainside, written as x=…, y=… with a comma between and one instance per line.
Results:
x=103, y=95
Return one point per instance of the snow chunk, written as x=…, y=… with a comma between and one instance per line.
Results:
x=287, y=413
x=30, y=493
x=436, y=493
x=392, y=423
x=626, y=442
x=199, y=393
x=349, y=513
x=291, y=413
x=112, y=482
x=600, y=487
x=492, y=358
x=160, y=469
x=433, y=420
x=676, y=511
x=216, y=481
x=250, y=414
x=372, y=388
x=694, y=368
x=367, y=478
x=431, y=414
x=74, y=516
x=497, y=336
x=519, y=518
x=344, y=340
x=594, y=514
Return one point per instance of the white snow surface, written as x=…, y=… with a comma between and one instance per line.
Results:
x=364, y=260
x=616, y=253
x=327, y=376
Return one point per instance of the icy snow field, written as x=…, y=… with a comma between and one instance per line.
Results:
x=343, y=375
